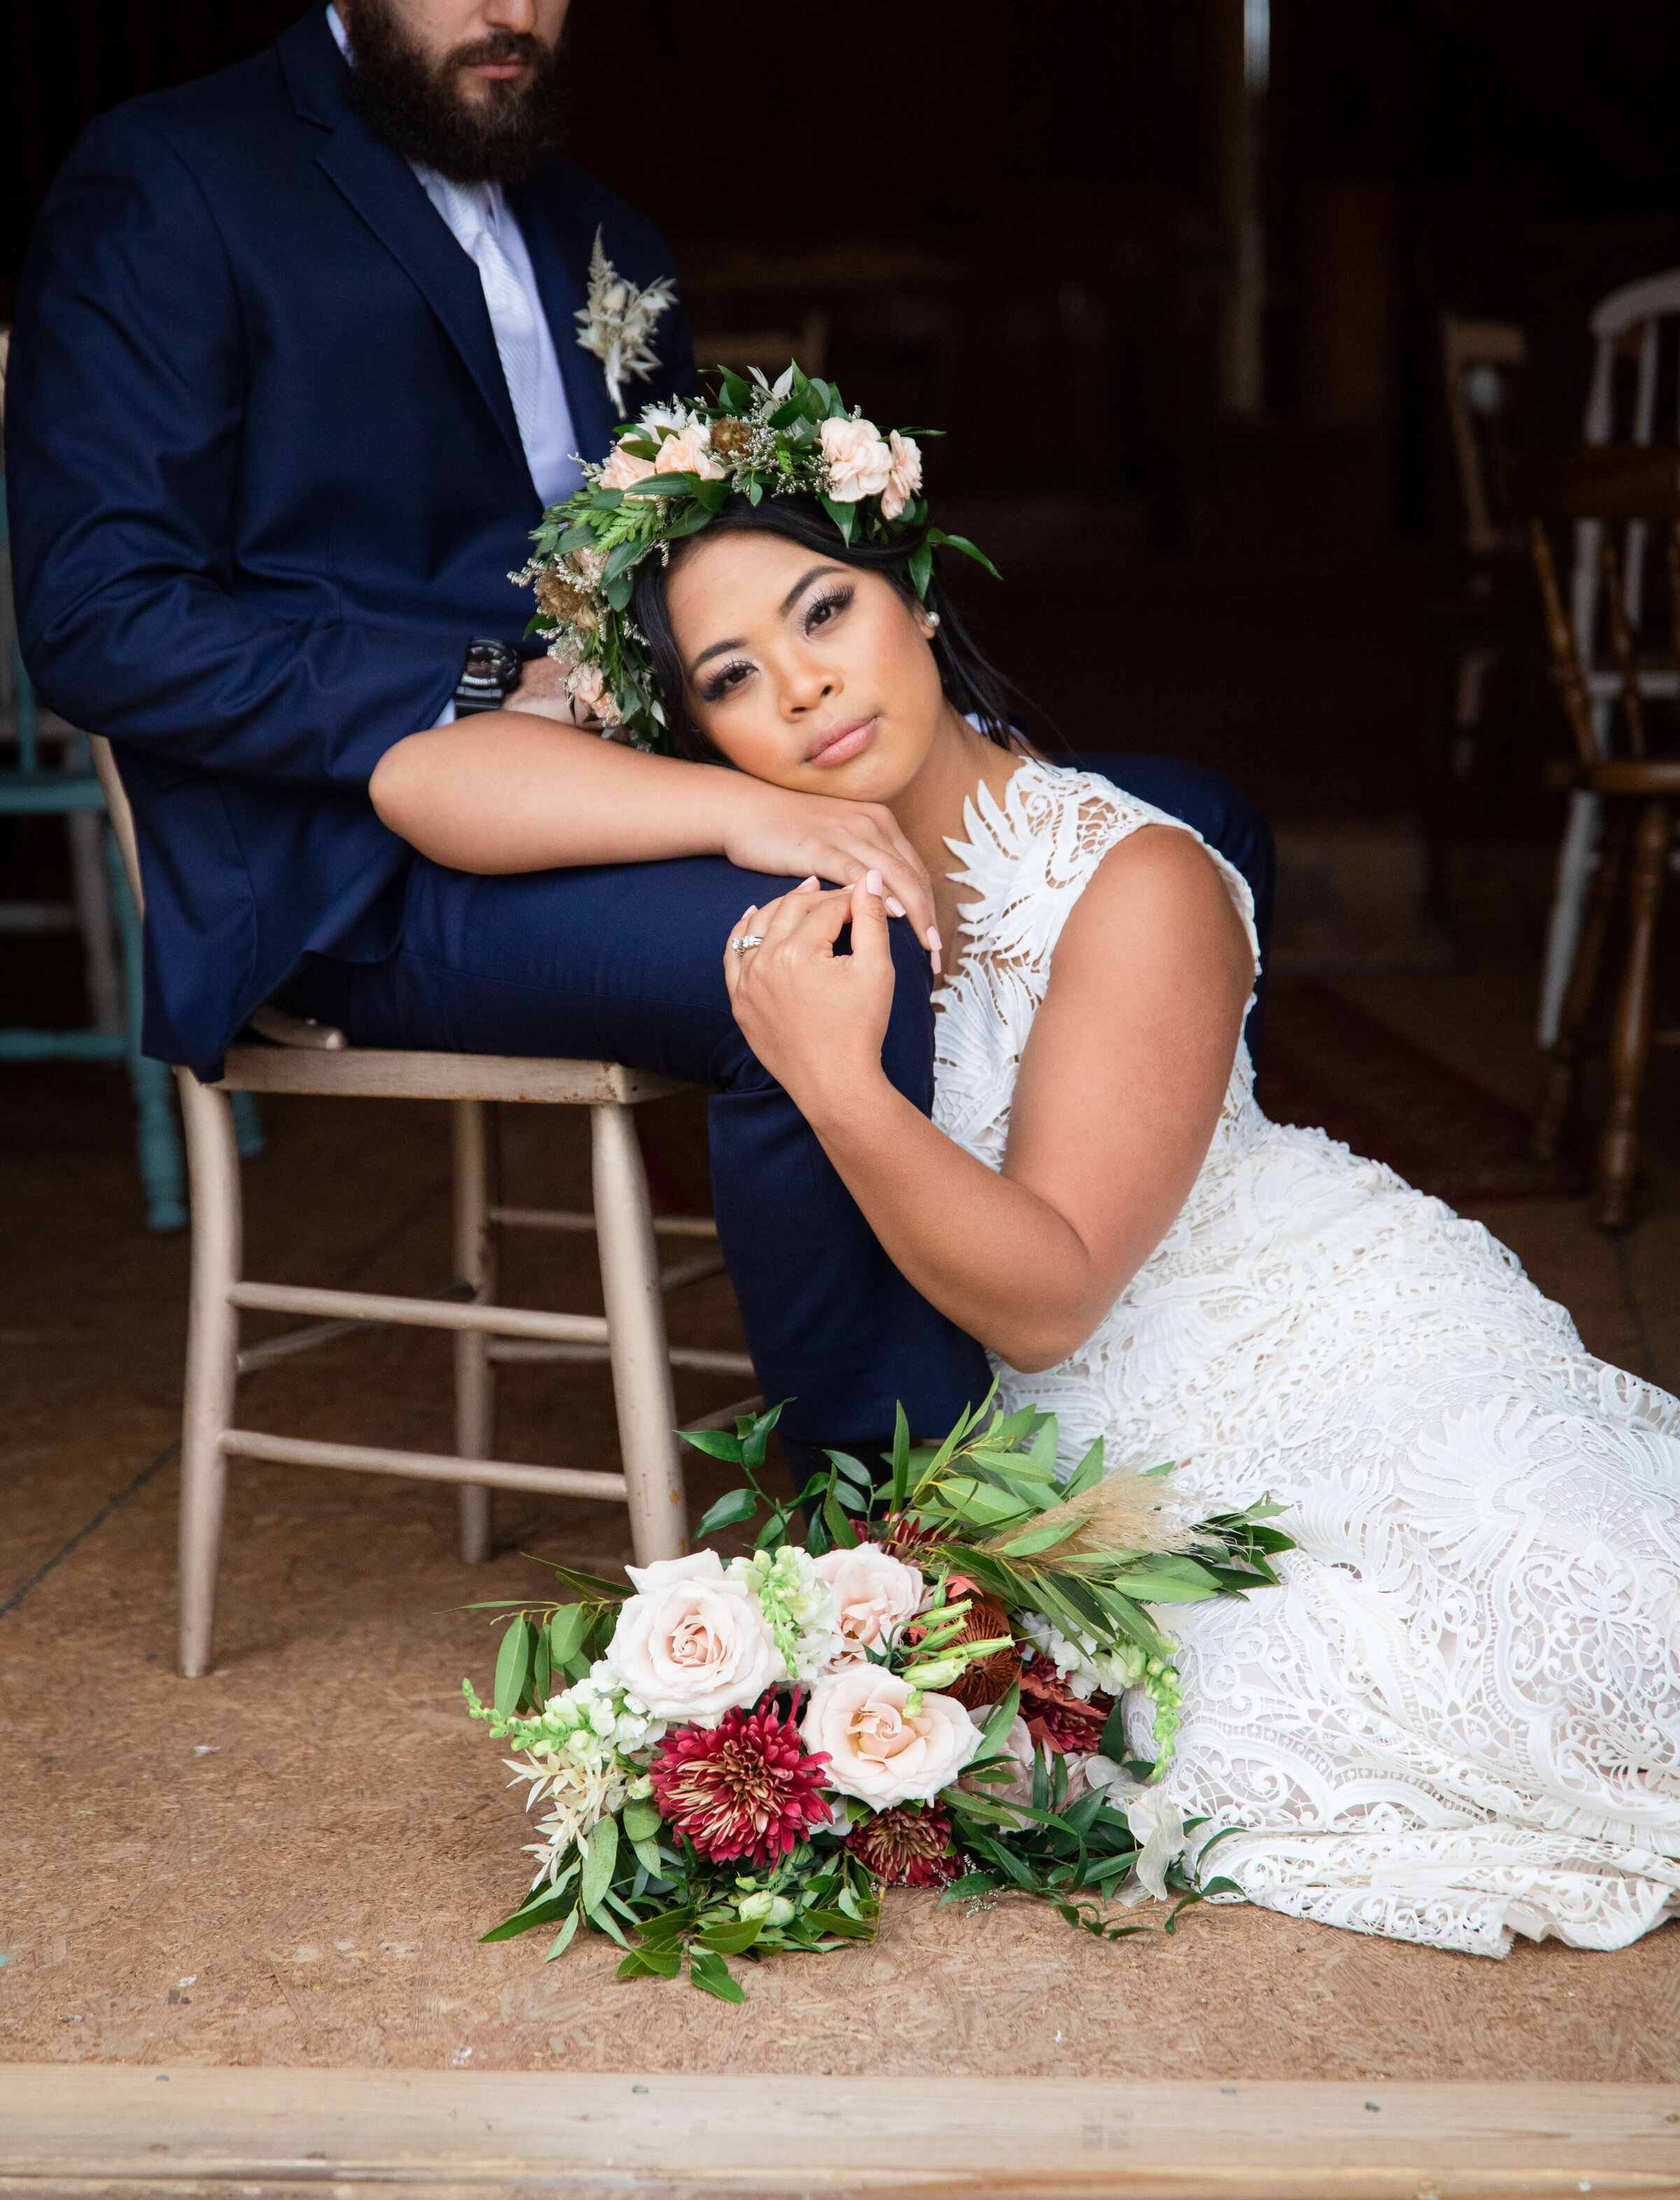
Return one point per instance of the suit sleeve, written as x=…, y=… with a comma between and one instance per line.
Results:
x=123, y=423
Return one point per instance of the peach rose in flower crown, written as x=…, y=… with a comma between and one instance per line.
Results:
x=691, y=1644
x=859, y=464
x=587, y=686
x=878, y=1750
x=689, y=452
x=875, y=1593
x=905, y=478
x=624, y=470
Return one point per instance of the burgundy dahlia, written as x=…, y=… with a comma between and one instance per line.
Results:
x=906, y=1848
x=744, y=1791
x=1055, y=1716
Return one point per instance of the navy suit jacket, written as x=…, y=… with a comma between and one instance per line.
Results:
x=264, y=484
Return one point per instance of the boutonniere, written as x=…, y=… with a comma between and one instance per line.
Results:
x=617, y=324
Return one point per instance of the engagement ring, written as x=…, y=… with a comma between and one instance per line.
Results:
x=748, y=939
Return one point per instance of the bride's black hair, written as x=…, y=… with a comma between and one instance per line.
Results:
x=967, y=676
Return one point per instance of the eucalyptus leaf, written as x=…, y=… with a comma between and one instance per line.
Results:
x=513, y=1663
x=563, y=1939
x=601, y=1853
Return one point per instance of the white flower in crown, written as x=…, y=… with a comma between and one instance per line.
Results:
x=617, y=323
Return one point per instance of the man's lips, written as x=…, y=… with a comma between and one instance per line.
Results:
x=838, y=744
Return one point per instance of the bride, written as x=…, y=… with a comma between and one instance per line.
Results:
x=1460, y=1718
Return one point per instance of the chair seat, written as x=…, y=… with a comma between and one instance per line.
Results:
x=378, y=1072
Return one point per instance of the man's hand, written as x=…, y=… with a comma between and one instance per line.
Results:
x=542, y=693
x=771, y=828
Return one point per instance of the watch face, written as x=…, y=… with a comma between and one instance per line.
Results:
x=491, y=661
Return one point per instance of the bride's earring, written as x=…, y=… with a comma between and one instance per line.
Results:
x=930, y=625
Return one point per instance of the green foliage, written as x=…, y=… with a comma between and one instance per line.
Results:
x=666, y=1907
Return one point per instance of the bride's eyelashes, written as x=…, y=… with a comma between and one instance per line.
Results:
x=724, y=681
x=821, y=611
x=825, y=609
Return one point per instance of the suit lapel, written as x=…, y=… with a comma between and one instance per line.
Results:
x=385, y=190
x=562, y=275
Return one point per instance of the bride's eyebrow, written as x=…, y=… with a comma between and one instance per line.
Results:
x=718, y=648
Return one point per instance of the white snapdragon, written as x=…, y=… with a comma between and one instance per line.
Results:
x=1081, y=1664
x=799, y=1608
x=586, y=1757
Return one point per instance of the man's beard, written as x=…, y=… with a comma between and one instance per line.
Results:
x=420, y=106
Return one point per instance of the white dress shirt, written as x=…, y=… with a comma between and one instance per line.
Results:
x=484, y=226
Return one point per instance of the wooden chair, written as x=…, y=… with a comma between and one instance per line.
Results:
x=1485, y=620
x=288, y=1054
x=1636, y=490
x=1635, y=333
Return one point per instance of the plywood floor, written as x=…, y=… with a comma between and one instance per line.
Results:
x=287, y=1863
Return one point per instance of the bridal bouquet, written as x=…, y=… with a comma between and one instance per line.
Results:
x=931, y=1690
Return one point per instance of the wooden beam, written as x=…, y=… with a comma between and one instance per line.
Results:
x=106, y=2129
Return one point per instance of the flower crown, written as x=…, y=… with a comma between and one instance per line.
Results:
x=669, y=474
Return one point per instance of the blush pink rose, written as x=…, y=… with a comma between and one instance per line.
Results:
x=905, y=478
x=875, y=1593
x=587, y=686
x=692, y=1644
x=877, y=1751
x=624, y=470
x=859, y=464
x=689, y=452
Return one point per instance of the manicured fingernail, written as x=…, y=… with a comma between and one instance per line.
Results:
x=894, y=906
x=872, y=882
x=934, y=957
x=933, y=941
x=807, y=886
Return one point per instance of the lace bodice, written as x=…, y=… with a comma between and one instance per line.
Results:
x=1461, y=1716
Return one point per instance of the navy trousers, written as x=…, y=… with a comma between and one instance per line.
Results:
x=624, y=964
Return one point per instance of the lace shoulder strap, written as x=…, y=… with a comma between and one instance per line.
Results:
x=1029, y=858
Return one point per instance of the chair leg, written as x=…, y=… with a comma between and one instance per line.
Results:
x=213, y=1346
x=1569, y=896
x=1565, y=1060
x=1630, y=1038
x=475, y=1372
x=636, y=1322
x=86, y=829
x=160, y=1149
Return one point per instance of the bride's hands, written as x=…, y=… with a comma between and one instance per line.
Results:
x=771, y=829
x=815, y=1019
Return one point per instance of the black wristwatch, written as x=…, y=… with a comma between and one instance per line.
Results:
x=488, y=677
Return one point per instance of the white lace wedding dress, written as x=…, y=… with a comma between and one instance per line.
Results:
x=1460, y=1716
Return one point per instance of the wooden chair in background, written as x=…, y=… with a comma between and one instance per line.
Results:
x=1635, y=378
x=1633, y=491
x=1485, y=622
x=288, y=1054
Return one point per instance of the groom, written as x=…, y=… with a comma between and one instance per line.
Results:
x=297, y=365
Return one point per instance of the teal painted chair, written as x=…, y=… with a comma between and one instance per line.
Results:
x=53, y=775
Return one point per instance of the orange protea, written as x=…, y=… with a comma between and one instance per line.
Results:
x=743, y=1791
x=905, y=1846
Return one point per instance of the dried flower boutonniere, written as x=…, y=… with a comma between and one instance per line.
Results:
x=617, y=324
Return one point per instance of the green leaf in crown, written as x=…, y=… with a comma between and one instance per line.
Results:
x=669, y=473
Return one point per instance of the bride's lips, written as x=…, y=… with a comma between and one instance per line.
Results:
x=839, y=743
